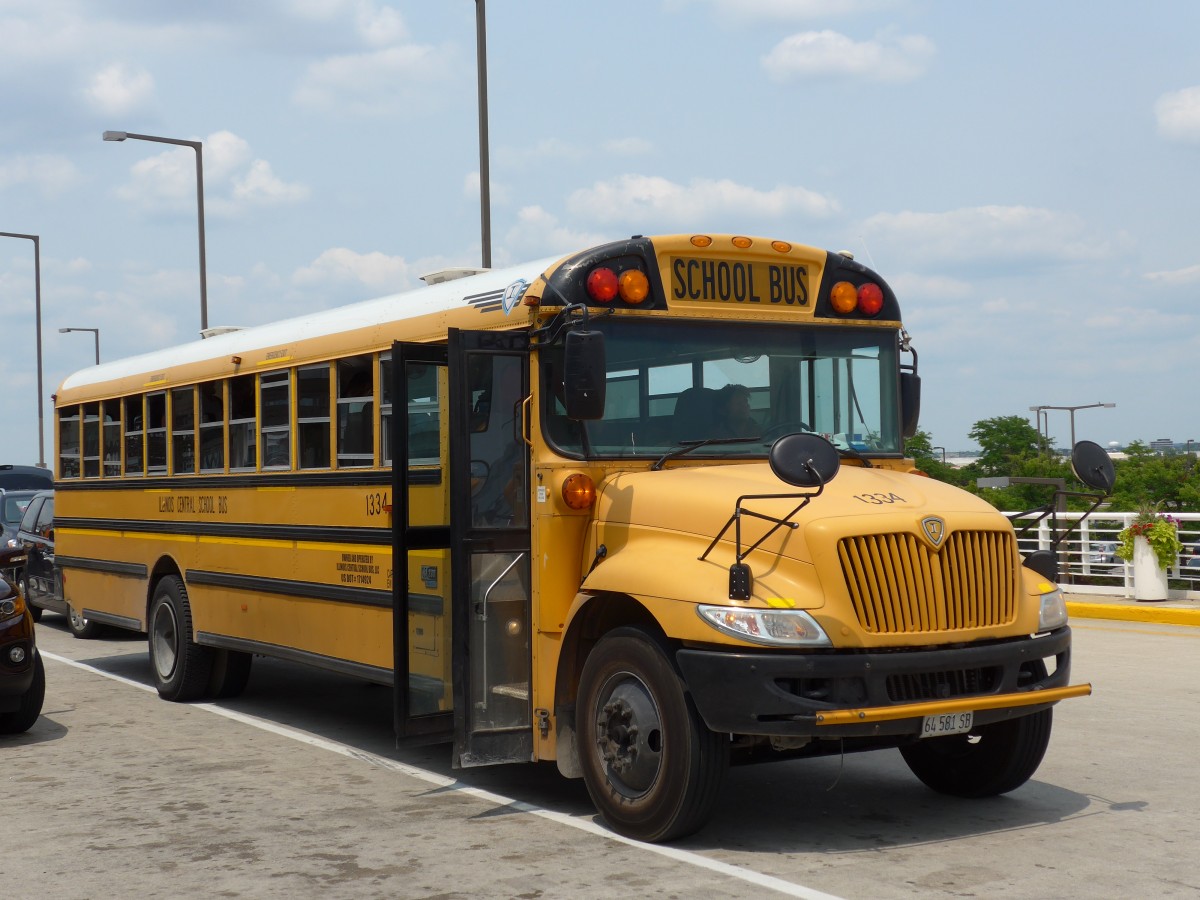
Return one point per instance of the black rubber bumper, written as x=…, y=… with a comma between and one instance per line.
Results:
x=769, y=693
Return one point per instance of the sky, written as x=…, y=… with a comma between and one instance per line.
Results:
x=1024, y=174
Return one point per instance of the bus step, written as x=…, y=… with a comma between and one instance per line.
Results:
x=519, y=691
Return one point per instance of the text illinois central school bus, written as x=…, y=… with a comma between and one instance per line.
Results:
x=643, y=511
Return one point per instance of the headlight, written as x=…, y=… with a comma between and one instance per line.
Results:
x=779, y=627
x=1053, y=611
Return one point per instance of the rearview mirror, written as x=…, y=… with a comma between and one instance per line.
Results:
x=1093, y=466
x=804, y=460
x=584, y=372
x=910, y=403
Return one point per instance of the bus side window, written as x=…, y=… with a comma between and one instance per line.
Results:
x=110, y=415
x=276, y=412
x=156, y=433
x=212, y=426
x=68, y=442
x=183, y=431
x=312, y=416
x=242, y=421
x=133, y=435
x=355, y=413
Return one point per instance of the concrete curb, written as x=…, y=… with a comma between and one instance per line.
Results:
x=1128, y=612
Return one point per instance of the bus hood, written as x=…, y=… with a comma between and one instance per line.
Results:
x=660, y=524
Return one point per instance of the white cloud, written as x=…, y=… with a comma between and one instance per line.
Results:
x=1173, y=277
x=119, y=89
x=341, y=265
x=500, y=193
x=828, y=53
x=379, y=26
x=51, y=175
x=233, y=180
x=987, y=234
x=628, y=146
x=652, y=199
x=538, y=233
x=1178, y=114
x=376, y=82
x=911, y=287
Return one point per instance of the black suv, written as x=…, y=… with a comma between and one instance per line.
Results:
x=41, y=581
x=22, y=678
x=12, y=508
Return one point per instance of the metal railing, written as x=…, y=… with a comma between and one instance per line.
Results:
x=1088, y=561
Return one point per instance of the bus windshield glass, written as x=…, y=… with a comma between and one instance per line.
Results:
x=670, y=382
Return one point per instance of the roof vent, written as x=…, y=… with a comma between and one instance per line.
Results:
x=452, y=274
x=218, y=329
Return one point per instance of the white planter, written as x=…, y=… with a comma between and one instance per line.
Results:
x=1149, y=578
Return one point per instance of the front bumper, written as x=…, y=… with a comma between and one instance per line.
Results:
x=15, y=679
x=864, y=694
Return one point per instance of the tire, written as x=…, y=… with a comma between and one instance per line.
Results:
x=991, y=760
x=652, y=767
x=80, y=627
x=230, y=672
x=35, y=611
x=181, y=667
x=22, y=718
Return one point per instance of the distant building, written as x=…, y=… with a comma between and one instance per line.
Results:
x=1162, y=445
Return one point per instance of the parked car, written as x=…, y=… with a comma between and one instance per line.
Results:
x=22, y=677
x=12, y=508
x=1104, y=555
x=24, y=478
x=41, y=581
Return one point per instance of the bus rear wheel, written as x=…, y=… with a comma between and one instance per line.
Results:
x=991, y=760
x=652, y=767
x=182, y=668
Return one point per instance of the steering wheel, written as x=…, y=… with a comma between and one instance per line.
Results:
x=782, y=428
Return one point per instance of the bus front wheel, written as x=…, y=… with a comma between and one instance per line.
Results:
x=181, y=667
x=652, y=767
x=992, y=760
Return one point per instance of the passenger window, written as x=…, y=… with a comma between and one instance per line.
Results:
x=110, y=414
x=91, y=440
x=183, y=431
x=242, y=419
x=68, y=442
x=133, y=435
x=212, y=426
x=276, y=412
x=355, y=413
x=312, y=416
x=156, y=433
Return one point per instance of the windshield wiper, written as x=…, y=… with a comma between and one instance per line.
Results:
x=689, y=446
x=853, y=454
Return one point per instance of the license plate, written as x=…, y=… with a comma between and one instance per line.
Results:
x=954, y=723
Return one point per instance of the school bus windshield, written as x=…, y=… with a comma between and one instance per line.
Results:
x=671, y=382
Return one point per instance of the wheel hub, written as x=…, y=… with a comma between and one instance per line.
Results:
x=629, y=737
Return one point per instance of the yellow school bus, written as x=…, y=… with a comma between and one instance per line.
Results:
x=643, y=511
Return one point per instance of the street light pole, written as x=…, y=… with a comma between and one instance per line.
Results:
x=37, y=306
x=485, y=194
x=198, y=147
x=95, y=333
x=1041, y=410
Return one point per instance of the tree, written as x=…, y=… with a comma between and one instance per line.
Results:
x=1005, y=441
x=920, y=448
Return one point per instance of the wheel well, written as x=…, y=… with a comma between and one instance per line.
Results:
x=164, y=568
x=600, y=615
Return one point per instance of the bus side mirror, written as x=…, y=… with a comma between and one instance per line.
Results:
x=584, y=374
x=910, y=403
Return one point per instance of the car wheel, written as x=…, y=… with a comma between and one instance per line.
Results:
x=651, y=765
x=181, y=667
x=22, y=718
x=82, y=628
x=991, y=760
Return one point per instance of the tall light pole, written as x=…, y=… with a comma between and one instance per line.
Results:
x=198, y=147
x=485, y=191
x=95, y=333
x=37, y=306
x=1071, y=410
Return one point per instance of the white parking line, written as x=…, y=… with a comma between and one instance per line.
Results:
x=758, y=879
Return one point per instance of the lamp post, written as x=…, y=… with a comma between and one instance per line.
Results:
x=198, y=147
x=943, y=449
x=1041, y=410
x=485, y=197
x=37, y=306
x=95, y=332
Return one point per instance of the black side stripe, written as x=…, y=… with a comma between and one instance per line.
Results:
x=110, y=566
x=325, y=534
x=287, y=588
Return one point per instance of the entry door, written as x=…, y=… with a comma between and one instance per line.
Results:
x=421, y=558
x=490, y=546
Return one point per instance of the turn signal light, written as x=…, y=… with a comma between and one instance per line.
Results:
x=633, y=286
x=578, y=491
x=843, y=298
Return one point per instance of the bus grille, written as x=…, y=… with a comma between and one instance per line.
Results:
x=899, y=585
x=918, y=686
